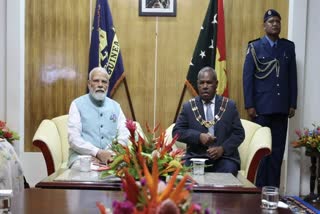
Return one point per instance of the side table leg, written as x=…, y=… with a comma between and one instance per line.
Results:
x=313, y=168
x=318, y=178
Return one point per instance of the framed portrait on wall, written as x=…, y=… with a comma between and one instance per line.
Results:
x=157, y=7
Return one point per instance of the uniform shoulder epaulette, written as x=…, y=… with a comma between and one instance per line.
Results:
x=254, y=40
x=287, y=40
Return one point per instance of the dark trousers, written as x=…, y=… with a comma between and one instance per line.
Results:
x=269, y=171
x=223, y=165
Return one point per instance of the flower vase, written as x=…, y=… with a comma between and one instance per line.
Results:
x=312, y=152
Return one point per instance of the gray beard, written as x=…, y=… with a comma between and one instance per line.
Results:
x=99, y=96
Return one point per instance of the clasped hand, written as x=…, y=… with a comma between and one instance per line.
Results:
x=104, y=156
x=207, y=138
x=213, y=152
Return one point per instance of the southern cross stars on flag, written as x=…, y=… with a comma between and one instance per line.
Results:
x=210, y=49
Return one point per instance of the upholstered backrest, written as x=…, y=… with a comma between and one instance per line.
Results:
x=250, y=129
x=169, y=139
x=139, y=130
x=256, y=145
x=61, y=123
x=47, y=138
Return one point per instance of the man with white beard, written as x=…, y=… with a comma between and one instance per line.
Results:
x=95, y=121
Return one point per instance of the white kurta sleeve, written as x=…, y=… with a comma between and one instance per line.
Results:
x=77, y=143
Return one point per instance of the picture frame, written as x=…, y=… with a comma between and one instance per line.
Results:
x=157, y=7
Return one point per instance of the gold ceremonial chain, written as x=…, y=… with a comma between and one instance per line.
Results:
x=216, y=118
x=274, y=63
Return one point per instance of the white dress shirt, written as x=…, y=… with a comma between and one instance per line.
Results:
x=212, y=107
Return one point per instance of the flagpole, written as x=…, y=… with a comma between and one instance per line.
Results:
x=90, y=21
x=129, y=98
x=155, y=75
x=180, y=102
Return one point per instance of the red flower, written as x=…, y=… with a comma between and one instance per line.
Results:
x=299, y=133
x=8, y=135
x=2, y=124
x=124, y=207
x=177, y=153
x=131, y=126
x=101, y=208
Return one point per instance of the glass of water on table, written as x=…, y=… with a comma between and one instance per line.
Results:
x=269, y=197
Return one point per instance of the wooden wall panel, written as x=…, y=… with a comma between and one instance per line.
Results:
x=244, y=22
x=177, y=40
x=57, y=43
x=137, y=40
x=56, y=52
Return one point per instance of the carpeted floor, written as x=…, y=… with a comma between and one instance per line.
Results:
x=313, y=200
x=298, y=205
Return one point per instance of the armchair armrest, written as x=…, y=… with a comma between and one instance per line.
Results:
x=47, y=139
x=260, y=146
x=168, y=139
x=139, y=130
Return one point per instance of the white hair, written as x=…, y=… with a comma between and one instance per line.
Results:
x=98, y=69
x=209, y=70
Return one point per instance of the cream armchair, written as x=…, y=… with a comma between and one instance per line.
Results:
x=168, y=139
x=51, y=138
x=256, y=145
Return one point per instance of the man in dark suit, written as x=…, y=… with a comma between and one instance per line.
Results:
x=270, y=91
x=214, y=137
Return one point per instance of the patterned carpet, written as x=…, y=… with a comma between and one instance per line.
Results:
x=299, y=206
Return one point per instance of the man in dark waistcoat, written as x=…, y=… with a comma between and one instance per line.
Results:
x=270, y=91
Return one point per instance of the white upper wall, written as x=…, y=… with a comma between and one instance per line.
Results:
x=310, y=99
x=312, y=78
x=14, y=68
x=2, y=58
x=304, y=23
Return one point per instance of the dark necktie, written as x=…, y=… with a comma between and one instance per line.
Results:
x=274, y=48
x=209, y=117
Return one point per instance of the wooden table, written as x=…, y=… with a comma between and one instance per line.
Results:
x=84, y=201
x=95, y=184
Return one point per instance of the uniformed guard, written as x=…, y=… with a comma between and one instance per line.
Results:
x=270, y=91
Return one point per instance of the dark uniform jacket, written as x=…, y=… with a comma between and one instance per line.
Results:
x=228, y=130
x=270, y=77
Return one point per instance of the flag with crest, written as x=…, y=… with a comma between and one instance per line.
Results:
x=105, y=47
